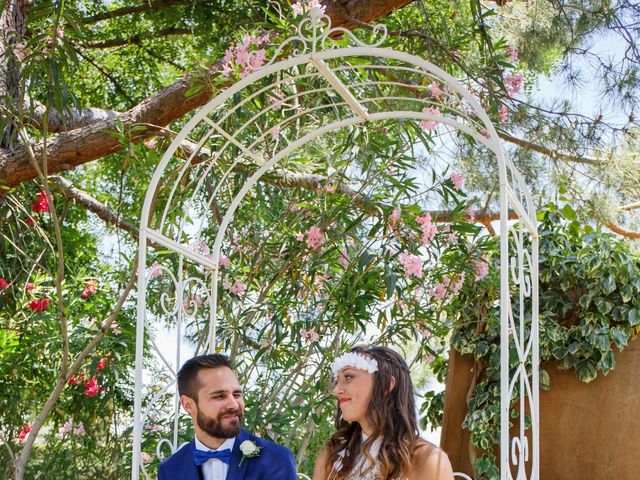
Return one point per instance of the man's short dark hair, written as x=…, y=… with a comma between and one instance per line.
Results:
x=187, y=376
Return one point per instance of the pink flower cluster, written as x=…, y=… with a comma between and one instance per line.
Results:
x=429, y=229
x=241, y=57
x=237, y=287
x=480, y=268
x=3, y=283
x=458, y=180
x=298, y=7
x=412, y=265
x=90, y=288
x=395, y=216
x=315, y=237
x=513, y=83
x=69, y=427
x=435, y=89
x=428, y=125
x=448, y=287
x=513, y=53
x=155, y=270
x=224, y=261
x=503, y=113
x=42, y=204
x=310, y=334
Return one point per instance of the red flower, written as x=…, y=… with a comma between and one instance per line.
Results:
x=24, y=431
x=29, y=286
x=28, y=221
x=72, y=380
x=40, y=205
x=39, y=305
x=90, y=288
x=101, y=363
x=3, y=283
x=92, y=388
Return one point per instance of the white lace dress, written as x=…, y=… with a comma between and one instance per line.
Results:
x=361, y=470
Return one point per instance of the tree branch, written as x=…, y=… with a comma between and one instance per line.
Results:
x=556, y=154
x=93, y=205
x=631, y=206
x=143, y=7
x=623, y=232
x=138, y=37
x=89, y=143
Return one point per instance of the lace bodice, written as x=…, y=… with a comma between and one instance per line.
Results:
x=361, y=470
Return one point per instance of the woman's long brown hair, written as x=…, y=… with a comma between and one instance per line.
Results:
x=391, y=414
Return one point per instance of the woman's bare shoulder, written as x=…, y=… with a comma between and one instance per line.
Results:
x=430, y=462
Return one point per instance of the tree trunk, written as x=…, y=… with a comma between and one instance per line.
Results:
x=12, y=29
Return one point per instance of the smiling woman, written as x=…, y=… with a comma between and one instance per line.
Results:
x=377, y=431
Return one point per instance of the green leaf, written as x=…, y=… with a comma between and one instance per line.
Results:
x=586, y=371
x=619, y=337
x=545, y=380
x=568, y=212
x=389, y=281
x=634, y=317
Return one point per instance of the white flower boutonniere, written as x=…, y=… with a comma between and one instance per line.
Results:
x=249, y=450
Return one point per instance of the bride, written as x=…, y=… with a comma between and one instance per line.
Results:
x=377, y=431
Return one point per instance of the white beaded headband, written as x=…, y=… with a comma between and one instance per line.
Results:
x=354, y=360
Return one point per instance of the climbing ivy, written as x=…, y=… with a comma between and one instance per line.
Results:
x=589, y=310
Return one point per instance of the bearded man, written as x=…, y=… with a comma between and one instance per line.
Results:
x=221, y=450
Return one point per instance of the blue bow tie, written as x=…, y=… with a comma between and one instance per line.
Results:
x=201, y=456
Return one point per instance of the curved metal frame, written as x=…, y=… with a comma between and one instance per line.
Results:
x=518, y=269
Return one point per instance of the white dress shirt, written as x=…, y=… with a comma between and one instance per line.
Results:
x=214, y=468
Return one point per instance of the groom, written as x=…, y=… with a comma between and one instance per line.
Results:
x=221, y=450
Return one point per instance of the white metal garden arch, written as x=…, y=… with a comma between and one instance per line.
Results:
x=340, y=77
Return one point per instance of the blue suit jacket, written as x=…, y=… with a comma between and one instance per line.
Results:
x=273, y=463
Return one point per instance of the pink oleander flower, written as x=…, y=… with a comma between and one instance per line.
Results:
x=150, y=143
x=436, y=91
x=440, y=291
x=92, y=387
x=79, y=430
x=412, y=265
x=503, y=114
x=513, y=53
x=3, y=283
x=452, y=239
x=297, y=8
x=224, y=261
x=116, y=328
x=395, y=216
x=237, y=287
x=480, y=268
x=430, y=358
x=155, y=270
x=315, y=237
x=29, y=287
x=429, y=229
x=42, y=204
x=471, y=214
x=66, y=428
x=310, y=334
x=39, y=305
x=24, y=431
x=329, y=187
x=145, y=458
x=513, y=83
x=275, y=132
x=300, y=236
x=428, y=125
x=457, y=179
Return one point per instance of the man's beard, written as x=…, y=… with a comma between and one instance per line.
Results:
x=215, y=428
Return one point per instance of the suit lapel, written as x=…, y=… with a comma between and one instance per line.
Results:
x=237, y=471
x=191, y=470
